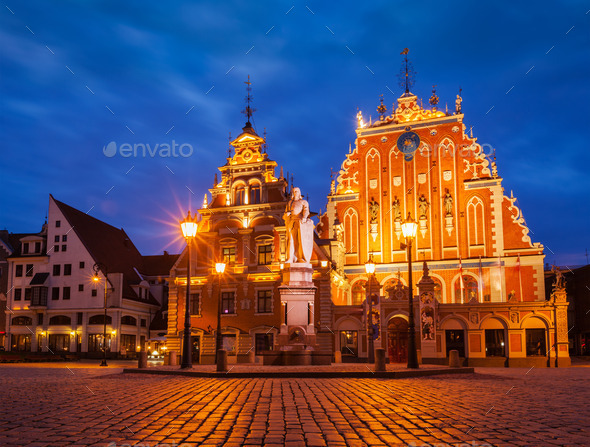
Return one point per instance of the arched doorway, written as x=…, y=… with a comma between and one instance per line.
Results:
x=397, y=337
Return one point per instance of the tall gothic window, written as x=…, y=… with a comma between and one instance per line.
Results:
x=359, y=292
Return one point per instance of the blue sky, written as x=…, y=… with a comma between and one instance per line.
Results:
x=78, y=75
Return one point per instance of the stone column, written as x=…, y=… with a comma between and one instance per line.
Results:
x=427, y=315
x=560, y=342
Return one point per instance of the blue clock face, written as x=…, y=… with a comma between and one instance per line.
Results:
x=407, y=143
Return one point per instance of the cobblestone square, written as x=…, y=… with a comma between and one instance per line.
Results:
x=81, y=404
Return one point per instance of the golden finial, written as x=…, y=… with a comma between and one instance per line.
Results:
x=433, y=99
x=381, y=109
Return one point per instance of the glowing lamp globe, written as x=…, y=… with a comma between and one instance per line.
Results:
x=370, y=266
x=220, y=267
x=188, y=226
x=409, y=228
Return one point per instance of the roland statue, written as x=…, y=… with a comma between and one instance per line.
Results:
x=299, y=229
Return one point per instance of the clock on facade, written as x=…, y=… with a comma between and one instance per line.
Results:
x=407, y=143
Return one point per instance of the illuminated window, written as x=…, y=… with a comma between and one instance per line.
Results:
x=264, y=254
x=229, y=255
x=470, y=289
x=358, y=292
x=437, y=289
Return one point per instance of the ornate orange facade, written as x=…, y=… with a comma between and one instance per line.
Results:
x=487, y=273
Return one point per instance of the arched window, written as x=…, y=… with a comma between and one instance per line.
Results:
x=254, y=194
x=469, y=288
x=359, y=292
x=351, y=222
x=99, y=319
x=239, y=195
x=475, y=221
x=128, y=319
x=437, y=289
x=22, y=321
x=61, y=320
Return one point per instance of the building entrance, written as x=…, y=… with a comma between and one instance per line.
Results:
x=397, y=338
x=196, y=349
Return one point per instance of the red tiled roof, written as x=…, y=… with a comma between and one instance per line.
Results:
x=109, y=246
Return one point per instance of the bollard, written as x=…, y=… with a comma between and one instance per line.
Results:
x=380, y=359
x=142, y=360
x=454, y=360
x=419, y=355
x=222, y=360
x=252, y=356
x=337, y=357
x=166, y=358
x=173, y=358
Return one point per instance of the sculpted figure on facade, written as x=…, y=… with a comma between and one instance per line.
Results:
x=299, y=229
x=423, y=205
x=448, y=203
x=559, y=283
x=373, y=210
x=397, y=214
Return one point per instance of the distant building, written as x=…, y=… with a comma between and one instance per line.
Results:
x=53, y=303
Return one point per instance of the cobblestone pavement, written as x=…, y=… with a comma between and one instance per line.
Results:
x=78, y=404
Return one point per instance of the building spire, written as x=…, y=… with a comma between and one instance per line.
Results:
x=248, y=111
x=407, y=74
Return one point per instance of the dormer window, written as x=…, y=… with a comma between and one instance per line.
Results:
x=25, y=248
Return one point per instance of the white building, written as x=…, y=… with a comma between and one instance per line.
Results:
x=55, y=305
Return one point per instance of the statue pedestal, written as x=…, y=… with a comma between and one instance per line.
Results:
x=297, y=292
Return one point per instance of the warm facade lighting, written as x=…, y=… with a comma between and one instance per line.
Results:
x=220, y=267
x=324, y=263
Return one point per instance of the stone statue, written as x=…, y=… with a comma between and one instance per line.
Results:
x=373, y=210
x=423, y=205
x=299, y=236
x=458, y=104
x=397, y=214
x=559, y=283
x=448, y=203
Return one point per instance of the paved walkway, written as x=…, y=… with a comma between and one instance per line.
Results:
x=83, y=404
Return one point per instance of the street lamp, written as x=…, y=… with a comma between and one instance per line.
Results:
x=219, y=268
x=189, y=230
x=370, y=269
x=98, y=267
x=409, y=228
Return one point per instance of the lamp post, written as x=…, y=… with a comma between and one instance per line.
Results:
x=219, y=268
x=370, y=269
x=189, y=230
x=409, y=228
x=98, y=267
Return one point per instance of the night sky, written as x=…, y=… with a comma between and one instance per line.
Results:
x=76, y=76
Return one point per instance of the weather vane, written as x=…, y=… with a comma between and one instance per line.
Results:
x=248, y=111
x=407, y=75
